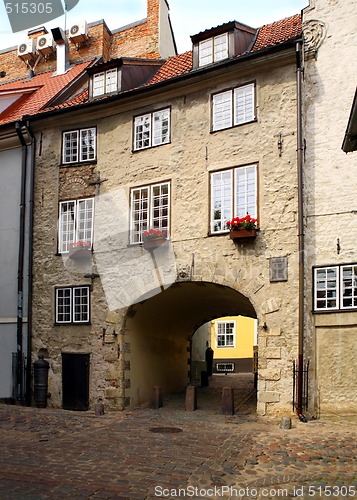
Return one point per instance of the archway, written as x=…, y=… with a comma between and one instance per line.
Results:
x=158, y=333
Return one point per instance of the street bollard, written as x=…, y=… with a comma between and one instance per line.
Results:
x=191, y=398
x=156, y=399
x=227, y=401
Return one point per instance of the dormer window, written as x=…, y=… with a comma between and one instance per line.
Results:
x=105, y=82
x=213, y=50
x=221, y=43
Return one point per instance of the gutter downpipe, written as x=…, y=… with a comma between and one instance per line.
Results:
x=301, y=236
x=20, y=269
x=30, y=264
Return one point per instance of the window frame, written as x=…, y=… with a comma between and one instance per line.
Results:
x=340, y=289
x=225, y=334
x=105, y=85
x=79, y=146
x=72, y=305
x=232, y=93
x=235, y=210
x=213, y=55
x=150, y=217
x=76, y=230
x=151, y=130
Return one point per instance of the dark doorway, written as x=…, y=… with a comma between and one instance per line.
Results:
x=75, y=381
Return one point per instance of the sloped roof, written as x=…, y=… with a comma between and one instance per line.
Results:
x=278, y=32
x=267, y=36
x=45, y=87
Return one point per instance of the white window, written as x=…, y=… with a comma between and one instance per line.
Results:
x=233, y=107
x=152, y=129
x=72, y=304
x=105, y=82
x=150, y=208
x=225, y=334
x=75, y=223
x=213, y=49
x=79, y=145
x=233, y=194
x=335, y=287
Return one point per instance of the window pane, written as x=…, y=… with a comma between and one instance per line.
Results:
x=160, y=207
x=139, y=213
x=205, y=52
x=70, y=147
x=221, y=200
x=225, y=331
x=220, y=47
x=63, y=305
x=326, y=288
x=245, y=191
x=349, y=286
x=111, y=82
x=98, y=84
x=85, y=220
x=161, y=126
x=81, y=304
x=244, y=104
x=222, y=110
x=142, y=132
x=87, y=144
x=67, y=221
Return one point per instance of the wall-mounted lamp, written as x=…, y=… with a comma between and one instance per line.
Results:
x=265, y=326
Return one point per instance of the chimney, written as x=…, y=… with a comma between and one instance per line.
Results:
x=62, y=50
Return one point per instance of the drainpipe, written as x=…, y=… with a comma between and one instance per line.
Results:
x=299, y=76
x=20, y=268
x=30, y=264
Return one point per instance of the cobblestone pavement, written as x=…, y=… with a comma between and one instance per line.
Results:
x=169, y=453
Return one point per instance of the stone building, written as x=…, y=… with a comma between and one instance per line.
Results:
x=44, y=69
x=330, y=205
x=212, y=135
x=249, y=121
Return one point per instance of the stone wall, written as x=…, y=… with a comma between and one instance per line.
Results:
x=186, y=162
x=330, y=190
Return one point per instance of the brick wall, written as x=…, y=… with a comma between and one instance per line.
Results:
x=141, y=40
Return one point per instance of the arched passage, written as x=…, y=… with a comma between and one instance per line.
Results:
x=158, y=332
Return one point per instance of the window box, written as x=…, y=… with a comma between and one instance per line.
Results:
x=236, y=234
x=80, y=251
x=152, y=244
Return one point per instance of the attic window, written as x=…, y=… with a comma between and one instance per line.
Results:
x=213, y=49
x=105, y=82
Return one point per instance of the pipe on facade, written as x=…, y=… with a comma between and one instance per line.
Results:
x=301, y=236
x=30, y=264
x=20, y=268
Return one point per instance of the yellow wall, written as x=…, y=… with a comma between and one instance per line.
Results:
x=244, y=339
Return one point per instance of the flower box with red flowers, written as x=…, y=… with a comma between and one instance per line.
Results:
x=242, y=227
x=154, y=238
x=79, y=250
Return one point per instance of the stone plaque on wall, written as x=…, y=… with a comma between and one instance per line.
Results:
x=278, y=269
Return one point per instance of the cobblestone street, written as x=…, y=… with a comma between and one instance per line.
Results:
x=169, y=453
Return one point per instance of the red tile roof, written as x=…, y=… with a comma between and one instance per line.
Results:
x=46, y=87
x=174, y=66
x=267, y=36
x=278, y=32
